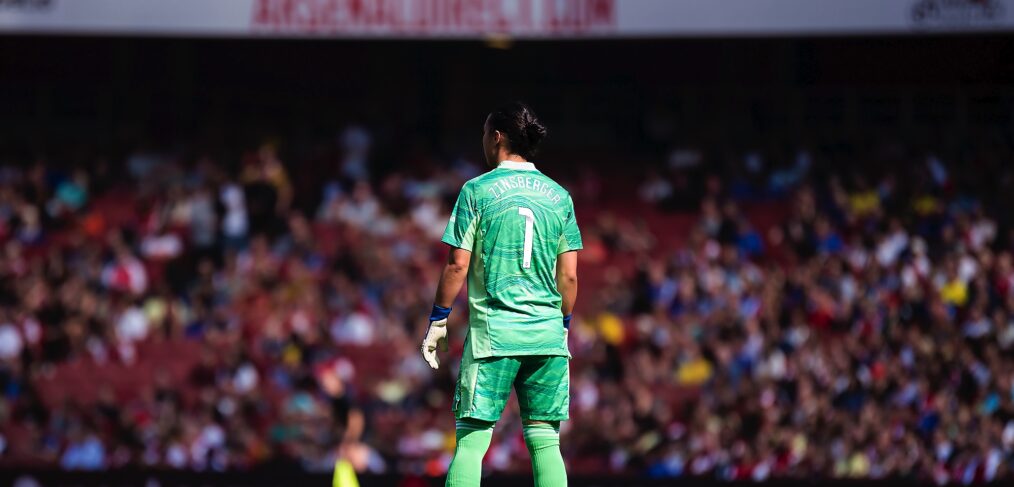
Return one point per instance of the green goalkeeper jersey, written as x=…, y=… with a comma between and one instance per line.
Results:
x=515, y=221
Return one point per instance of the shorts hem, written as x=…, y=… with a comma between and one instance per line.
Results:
x=537, y=417
x=475, y=416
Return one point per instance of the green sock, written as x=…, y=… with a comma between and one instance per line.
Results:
x=473, y=440
x=543, y=441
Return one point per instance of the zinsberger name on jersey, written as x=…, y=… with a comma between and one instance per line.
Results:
x=505, y=184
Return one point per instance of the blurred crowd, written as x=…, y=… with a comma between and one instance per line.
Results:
x=866, y=330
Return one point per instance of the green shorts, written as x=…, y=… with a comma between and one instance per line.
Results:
x=541, y=381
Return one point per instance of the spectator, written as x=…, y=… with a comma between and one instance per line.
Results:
x=807, y=320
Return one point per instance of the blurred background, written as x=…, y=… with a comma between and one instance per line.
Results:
x=220, y=221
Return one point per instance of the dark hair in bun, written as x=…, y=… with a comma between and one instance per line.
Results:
x=523, y=129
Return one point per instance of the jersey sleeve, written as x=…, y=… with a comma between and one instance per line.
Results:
x=460, y=231
x=570, y=239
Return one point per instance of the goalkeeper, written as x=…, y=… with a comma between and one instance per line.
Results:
x=513, y=232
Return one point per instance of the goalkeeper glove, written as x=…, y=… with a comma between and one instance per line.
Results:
x=566, y=327
x=436, y=336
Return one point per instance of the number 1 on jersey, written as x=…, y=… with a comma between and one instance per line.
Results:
x=526, y=260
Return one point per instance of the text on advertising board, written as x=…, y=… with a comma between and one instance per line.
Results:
x=434, y=16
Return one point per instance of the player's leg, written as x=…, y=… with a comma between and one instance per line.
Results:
x=473, y=437
x=484, y=385
x=543, y=386
x=543, y=441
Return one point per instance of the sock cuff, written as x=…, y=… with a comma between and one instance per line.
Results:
x=541, y=430
x=467, y=424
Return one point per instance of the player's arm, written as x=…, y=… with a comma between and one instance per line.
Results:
x=566, y=283
x=460, y=235
x=452, y=277
x=566, y=263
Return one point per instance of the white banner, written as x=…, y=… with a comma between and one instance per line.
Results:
x=515, y=18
